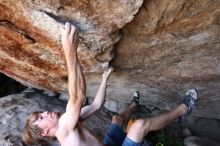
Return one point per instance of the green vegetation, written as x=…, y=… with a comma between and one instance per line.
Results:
x=162, y=139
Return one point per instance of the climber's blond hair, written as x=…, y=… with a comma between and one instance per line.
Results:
x=32, y=133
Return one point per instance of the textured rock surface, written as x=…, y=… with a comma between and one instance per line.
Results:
x=203, y=127
x=199, y=141
x=30, y=49
x=169, y=46
x=172, y=45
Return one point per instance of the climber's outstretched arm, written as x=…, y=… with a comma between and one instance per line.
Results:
x=99, y=100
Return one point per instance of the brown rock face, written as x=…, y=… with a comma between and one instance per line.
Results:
x=170, y=45
x=30, y=48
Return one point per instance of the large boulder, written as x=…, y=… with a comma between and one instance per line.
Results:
x=30, y=47
x=169, y=46
x=199, y=141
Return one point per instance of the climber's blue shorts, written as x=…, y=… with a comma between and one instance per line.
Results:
x=117, y=137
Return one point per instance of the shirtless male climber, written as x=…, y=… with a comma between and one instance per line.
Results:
x=68, y=128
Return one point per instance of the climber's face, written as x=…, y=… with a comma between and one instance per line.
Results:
x=47, y=120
